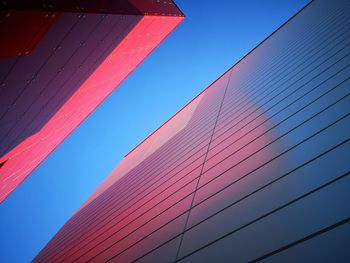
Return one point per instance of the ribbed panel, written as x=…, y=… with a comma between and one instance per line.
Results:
x=260, y=172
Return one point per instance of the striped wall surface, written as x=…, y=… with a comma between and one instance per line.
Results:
x=260, y=172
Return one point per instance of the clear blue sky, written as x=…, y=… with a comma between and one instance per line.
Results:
x=214, y=35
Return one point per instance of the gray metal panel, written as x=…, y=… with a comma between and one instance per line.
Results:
x=335, y=241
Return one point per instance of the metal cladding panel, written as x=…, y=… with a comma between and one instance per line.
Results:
x=46, y=94
x=127, y=7
x=253, y=169
x=154, y=204
x=23, y=30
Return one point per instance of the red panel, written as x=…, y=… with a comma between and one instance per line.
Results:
x=21, y=31
x=140, y=41
x=130, y=7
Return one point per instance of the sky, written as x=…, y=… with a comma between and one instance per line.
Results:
x=214, y=35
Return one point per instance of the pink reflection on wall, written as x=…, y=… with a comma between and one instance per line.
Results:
x=228, y=174
x=163, y=134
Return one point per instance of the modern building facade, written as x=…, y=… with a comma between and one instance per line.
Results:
x=255, y=168
x=58, y=61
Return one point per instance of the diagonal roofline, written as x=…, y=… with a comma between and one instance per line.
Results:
x=236, y=63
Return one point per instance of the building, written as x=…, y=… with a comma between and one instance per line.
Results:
x=255, y=168
x=58, y=61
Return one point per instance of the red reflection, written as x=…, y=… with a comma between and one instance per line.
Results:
x=28, y=154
